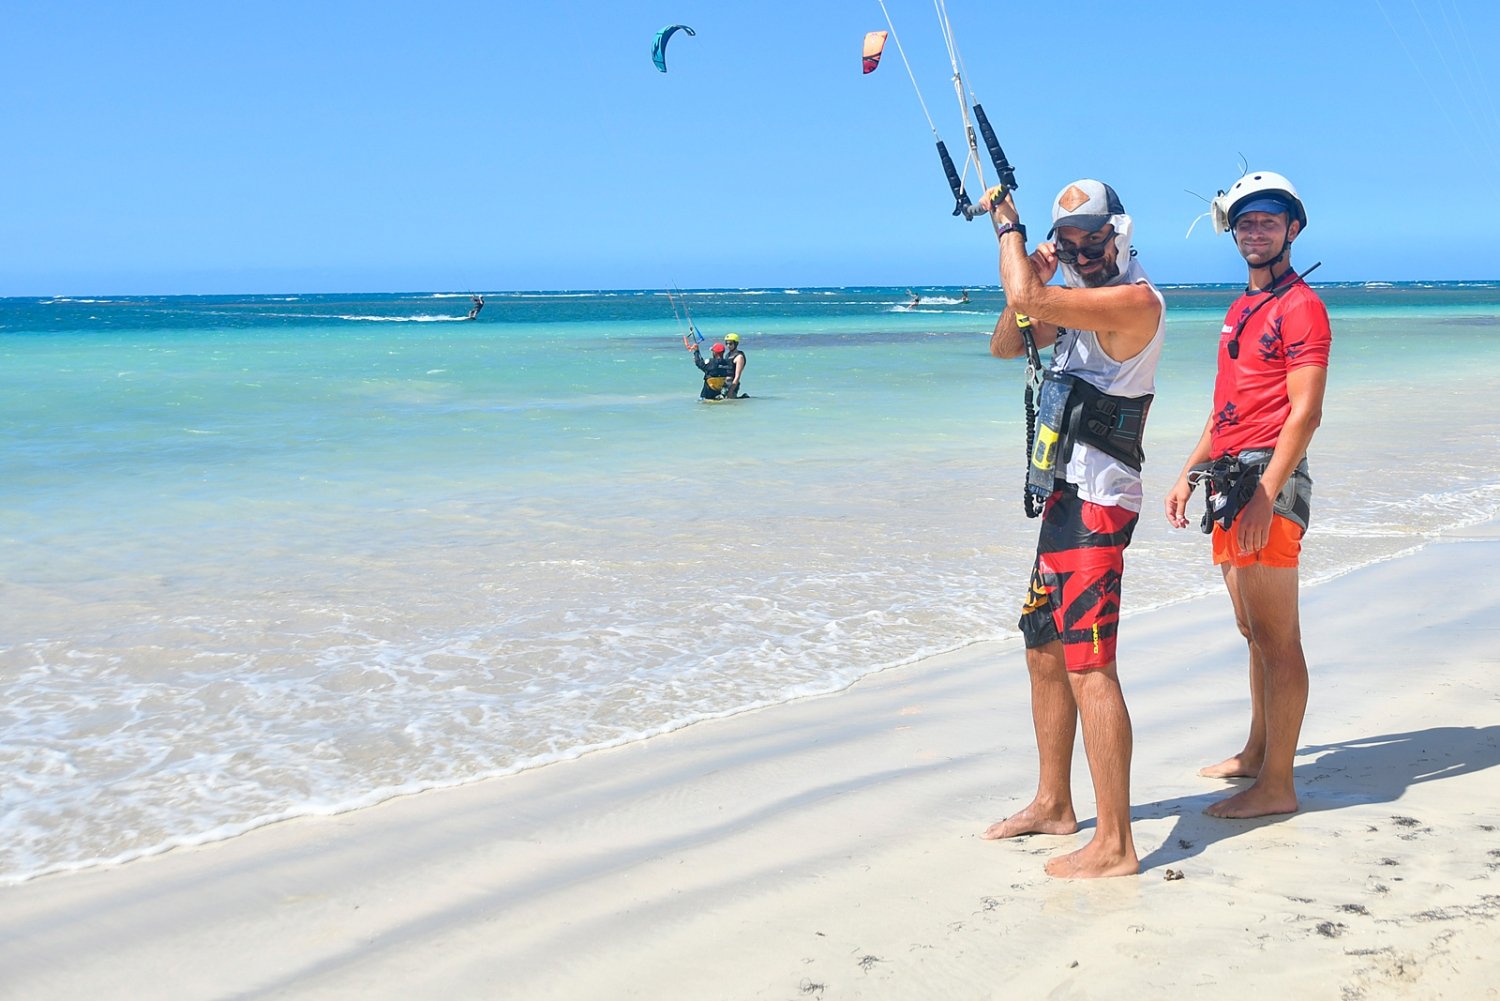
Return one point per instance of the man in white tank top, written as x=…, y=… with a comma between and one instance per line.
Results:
x=1106, y=324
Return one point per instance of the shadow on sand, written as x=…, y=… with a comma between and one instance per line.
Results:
x=1348, y=773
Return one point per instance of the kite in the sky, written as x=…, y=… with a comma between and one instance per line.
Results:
x=659, y=47
x=874, y=46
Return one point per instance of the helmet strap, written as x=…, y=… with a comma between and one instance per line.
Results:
x=1286, y=248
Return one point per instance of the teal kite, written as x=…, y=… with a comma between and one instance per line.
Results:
x=659, y=47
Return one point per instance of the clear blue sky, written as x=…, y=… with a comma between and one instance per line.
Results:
x=336, y=146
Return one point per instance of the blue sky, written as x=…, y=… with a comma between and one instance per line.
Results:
x=261, y=147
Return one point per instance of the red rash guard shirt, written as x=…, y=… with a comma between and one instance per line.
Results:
x=1250, y=398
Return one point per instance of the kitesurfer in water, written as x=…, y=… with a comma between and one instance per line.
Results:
x=478, y=305
x=735, y=357
x=965, y=297
x=915, y=298
x=716, y=373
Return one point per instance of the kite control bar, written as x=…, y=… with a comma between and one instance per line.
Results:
x=1003, y=169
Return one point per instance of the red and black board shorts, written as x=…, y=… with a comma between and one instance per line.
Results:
x=1075, y=584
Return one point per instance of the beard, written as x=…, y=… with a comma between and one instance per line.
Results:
x=1103, y=276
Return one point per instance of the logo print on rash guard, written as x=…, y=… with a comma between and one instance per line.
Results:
x=1228, y=417
x=1271, y=348
x=1295, y=349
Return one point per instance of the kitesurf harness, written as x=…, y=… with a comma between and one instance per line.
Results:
x=1063, y=410
x=1072, y=411
x=1231, y=480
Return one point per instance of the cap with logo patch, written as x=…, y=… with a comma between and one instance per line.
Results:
x=1086, y=204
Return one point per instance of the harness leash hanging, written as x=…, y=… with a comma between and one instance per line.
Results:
x=1033, y=504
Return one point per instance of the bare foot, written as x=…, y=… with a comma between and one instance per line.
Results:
x=1241, y=766
x=1094, y=861
x=1254, y=802
x=1032, y=820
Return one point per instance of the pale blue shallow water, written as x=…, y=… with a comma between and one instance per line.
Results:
x=278, y=555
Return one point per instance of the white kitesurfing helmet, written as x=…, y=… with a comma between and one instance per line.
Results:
x=1257, y=191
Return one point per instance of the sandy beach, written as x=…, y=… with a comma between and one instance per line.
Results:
x=829, y=848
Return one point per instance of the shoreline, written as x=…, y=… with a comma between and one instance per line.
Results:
x=828, y=847
x=378, y=797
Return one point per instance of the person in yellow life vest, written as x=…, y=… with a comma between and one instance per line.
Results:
x=716, y=373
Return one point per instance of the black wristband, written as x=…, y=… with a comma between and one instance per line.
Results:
x=1011, y=227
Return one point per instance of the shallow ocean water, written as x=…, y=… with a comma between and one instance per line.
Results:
x=271, y=556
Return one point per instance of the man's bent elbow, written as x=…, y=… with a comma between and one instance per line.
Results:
x=1310, y=417
x=1005, y=349
x=1022, y=300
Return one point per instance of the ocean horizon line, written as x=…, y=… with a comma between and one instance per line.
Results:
x=772, y=288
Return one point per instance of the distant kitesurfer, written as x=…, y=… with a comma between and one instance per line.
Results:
x=965, y=297
x=1106, y=326
x=915, y=298
x=478, y=305
x=735, y=357
x=1252, y=456
x=716, y=373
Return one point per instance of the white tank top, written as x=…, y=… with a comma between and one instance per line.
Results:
x=1101, y=477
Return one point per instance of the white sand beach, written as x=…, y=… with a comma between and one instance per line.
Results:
x=829, y=848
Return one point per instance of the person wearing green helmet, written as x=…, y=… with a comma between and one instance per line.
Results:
x=1252, y=458
x=735, y=357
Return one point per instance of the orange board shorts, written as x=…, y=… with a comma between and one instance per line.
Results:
x=1282, y=549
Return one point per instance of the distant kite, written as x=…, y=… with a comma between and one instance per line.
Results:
x=659, y=47
x=874, y=46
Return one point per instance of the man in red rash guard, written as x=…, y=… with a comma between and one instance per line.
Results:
x=1252, y=456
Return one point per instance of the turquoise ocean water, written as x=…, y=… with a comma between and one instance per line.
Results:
x=271, y=556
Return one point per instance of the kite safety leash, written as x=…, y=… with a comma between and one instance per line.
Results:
x=1033, y=504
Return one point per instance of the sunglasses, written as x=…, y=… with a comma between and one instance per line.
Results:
x=1069, y=254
